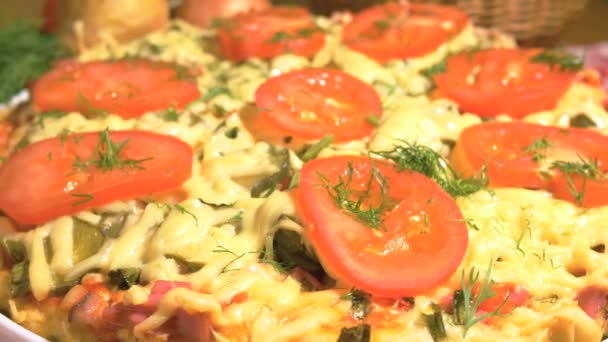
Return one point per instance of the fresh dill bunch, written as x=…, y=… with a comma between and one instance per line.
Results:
x=422, y=159
x=25, y=54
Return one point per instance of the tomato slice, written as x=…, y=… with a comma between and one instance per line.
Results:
x=269, y=33
x=128, y=88
x=311, y=103
x=402, y=30
x=514, y=156
x=5, y=133
x=43, y=180
x=419, y=245
x=502, y=81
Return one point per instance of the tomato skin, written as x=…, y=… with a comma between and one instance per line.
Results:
x=402, y=30
x=310, y=103
x=128, y=88
x=502, y=147
x=269, y=33
x=411, y=257
x=518, y=296
x=30, y=197
x=502, y=81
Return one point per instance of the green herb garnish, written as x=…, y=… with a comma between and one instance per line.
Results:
x=185, y=211
x=423, y=159
x=587, y=168
x=19, y=279
x=466, y=313
x=84, y=199
x=352, y=201
x=25, y=54
x=124, y=278
x=565, y=61
x=538, y=148
x=106, y=156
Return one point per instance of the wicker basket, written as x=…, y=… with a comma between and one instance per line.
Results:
x=532, y=22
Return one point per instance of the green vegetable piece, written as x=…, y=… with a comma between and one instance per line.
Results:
x=112, y=224
x=289, y=250
x=360, y=303
x=459, y=307
x=25, y=54
x=266, y=186
x=88, y=239
x=582, y=121
x=15, y=249
x=435, y=324
x=358, y=333
x=232, y=133
x=216, y=91
x=313, y=151
x=19, y=279
x=186, y=266
x=124, y=278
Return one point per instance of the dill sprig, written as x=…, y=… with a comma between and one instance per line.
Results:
x=352, y=201
x=25, y=54
x=565, y=61
x=419, y=158
x=471, y=302
x=587, y=168
x=538, y=148
x=106, y=156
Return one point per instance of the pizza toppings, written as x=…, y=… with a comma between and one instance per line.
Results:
x=387, y=226
x=402, y=30
x=269, y=33
x=128, y=88
x=309, y=104
x=505, y=81
x=567, y=162
x=82, y=171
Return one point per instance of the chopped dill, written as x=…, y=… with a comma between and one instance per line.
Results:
x=419, y=158
x=106, y=156
x=562, y=59
x=587, y=168
x=183, y=210
x=343, y=193
x=84, y=199
x=471, y=301
x=538, y=148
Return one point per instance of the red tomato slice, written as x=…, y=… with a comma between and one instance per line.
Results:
x=401, y=30
x=518, y=296
x=502, y=81
x=507, y=150
x=269, y=33
x=40, y=182
x=128, y=88
x=311, y=103
x=424, y=239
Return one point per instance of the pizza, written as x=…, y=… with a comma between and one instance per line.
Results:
x=395, y=174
